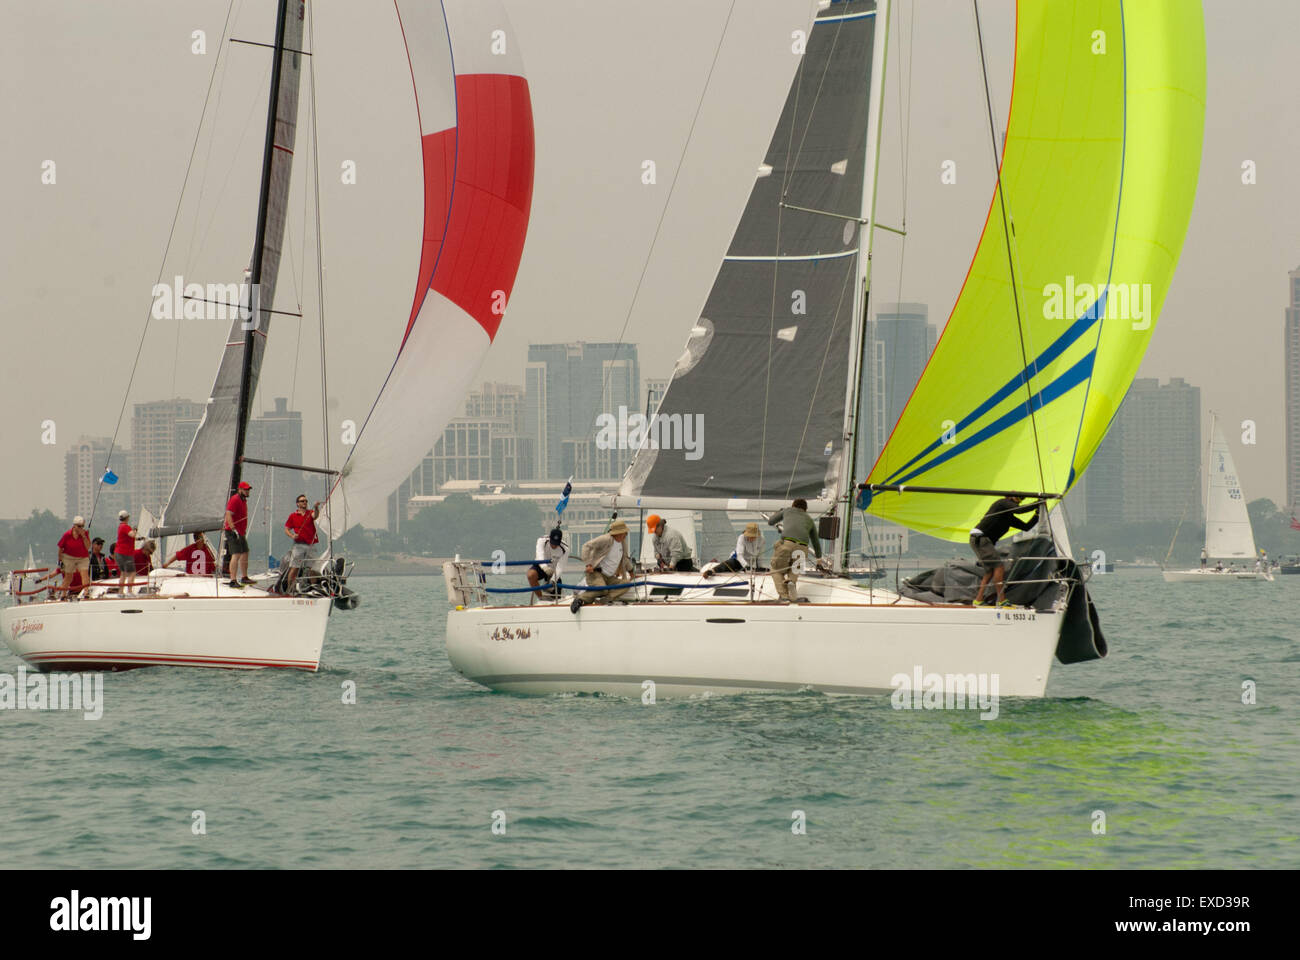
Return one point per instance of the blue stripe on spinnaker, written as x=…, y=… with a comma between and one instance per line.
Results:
x=1062, y=385
x=1057, y=347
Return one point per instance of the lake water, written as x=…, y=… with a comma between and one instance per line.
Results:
x=286, y=774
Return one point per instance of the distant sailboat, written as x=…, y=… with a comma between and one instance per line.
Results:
x=1098, y=169
x=1228, y=534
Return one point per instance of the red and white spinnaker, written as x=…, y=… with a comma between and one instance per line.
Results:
x=476, y=132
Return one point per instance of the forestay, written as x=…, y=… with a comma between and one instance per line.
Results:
x=767, y=362
x=1098, y=175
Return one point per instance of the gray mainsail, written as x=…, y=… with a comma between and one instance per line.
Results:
x=767, y=362
x=199, y=498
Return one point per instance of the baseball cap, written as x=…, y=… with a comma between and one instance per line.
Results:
x=78, y=521
x=245, y=485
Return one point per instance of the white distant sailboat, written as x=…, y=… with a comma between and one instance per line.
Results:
x=1228, y=534
x=784, y=385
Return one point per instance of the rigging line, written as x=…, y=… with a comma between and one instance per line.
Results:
x=839, y=309
x=690, y=134
x=905, y=144
x=320, y=291
x=126, y=394
x=1011, y=266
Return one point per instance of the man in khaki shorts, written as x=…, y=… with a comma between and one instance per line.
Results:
x=74, y=556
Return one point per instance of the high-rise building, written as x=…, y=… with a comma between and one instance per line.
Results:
x=161, y=433
x=1291, y=352
x=277, y=436
x=567, y=387
x=1148, y=469
x=83, y=467
x=486, y=444
x=654, y=395
x=898, y=345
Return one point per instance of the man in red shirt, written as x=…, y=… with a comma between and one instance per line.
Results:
x=301, y=528
x=124, y=551
x=197, y=558
x=236, y=527
x=74, y=557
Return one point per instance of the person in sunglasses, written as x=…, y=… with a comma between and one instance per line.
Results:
x=301, y=528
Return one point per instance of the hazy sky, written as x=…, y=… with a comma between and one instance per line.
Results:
x=113, y=92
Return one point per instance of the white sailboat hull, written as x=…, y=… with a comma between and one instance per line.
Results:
x=190, y=622
x=1213, y=576
x=692, y=647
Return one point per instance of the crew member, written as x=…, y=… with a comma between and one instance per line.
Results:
x=74, y=557
x=124, y=551
x=606, y=560
x=99, y=561
x=197, y=558
x=748, y=552
x=235, y=524
x=301, y=528
x=671, y=551
x=798, y=533
x=1000, y=517
x=551, y=554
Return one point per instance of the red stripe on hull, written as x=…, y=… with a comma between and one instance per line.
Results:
x=114, y=660
x=471, y=252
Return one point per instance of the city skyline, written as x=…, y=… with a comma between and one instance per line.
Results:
x=594, y=220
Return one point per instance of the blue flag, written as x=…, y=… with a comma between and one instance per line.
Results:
x=272, y=563
x=109, y=477
x=564, y=498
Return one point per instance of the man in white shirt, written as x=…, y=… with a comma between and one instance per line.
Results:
x=606, y=559
x=746, y=556
x=551, y=554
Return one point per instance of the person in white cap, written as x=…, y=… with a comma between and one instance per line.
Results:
x=74, y=556
x=124, y=551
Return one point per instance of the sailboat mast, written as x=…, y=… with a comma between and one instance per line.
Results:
x=862, y=289
x=255, y=278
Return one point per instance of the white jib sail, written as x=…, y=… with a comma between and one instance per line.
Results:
x=1227, y=524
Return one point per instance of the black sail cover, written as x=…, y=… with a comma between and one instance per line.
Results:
x=767, y=363
x=198, y=500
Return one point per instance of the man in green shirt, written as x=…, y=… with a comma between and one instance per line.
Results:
x=798, y=533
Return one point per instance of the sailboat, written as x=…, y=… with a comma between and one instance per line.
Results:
x=1096, y=178
x=474, y=118
x=1228, y=534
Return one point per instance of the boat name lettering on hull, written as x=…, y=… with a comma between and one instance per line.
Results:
x=502, y=634
x=27, y=625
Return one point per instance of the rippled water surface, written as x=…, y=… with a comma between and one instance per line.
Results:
x=287, y=775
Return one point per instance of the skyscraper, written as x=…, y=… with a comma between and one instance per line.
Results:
x=1148, y=469
x=898, y=344
x=1291, y=353
x=161, y=433
x=567, y=387
x=83, y=468
x=277, y=435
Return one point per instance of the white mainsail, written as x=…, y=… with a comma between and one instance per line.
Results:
x=1227, y=524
